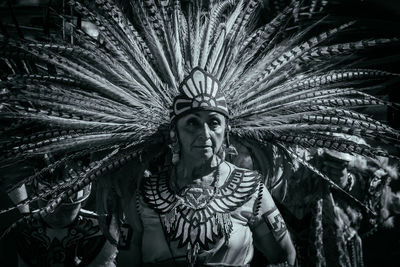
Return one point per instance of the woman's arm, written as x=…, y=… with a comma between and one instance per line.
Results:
x=270, y=233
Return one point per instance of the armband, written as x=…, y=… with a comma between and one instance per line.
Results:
x=275, y=223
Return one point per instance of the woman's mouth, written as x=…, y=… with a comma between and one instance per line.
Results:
x=203, y=146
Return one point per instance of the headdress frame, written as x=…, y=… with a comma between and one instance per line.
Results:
x=198, y=91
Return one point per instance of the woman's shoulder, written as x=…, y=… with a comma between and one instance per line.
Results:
x=234, y=175
x=234, y=168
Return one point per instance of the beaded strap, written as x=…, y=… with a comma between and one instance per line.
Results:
x=257, y=205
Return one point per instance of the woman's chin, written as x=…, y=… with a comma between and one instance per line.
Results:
x=199, y=155
x=205, y=155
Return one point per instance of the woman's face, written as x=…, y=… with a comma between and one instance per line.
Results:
x=201, y=135
x=63, y=215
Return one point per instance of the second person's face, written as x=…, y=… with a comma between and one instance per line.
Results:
x=201, y=135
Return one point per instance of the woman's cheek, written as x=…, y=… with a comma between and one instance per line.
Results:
x=219, y=142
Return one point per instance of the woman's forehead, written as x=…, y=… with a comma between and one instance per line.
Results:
x=204, y=114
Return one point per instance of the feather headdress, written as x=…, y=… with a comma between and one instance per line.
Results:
x=283, y=86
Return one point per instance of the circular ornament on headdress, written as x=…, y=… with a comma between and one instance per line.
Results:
x=198, y=91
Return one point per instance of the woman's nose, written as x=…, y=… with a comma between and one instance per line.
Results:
x=205, y=131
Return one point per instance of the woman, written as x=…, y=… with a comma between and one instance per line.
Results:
x=203, y=209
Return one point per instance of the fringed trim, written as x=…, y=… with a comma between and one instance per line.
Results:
x=169, y=219
x=222, y=221
x=191, y=253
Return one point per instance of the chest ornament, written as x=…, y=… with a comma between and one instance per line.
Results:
x=199, y=215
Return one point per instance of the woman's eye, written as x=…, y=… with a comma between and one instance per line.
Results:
x=215, y=122
x=192, y=122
